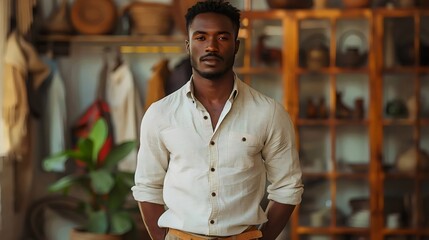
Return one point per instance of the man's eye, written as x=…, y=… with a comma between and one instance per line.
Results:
x=201, y=38
x=223, y=38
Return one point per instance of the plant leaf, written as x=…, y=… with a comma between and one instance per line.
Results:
x=118, y=153
x=97, y=222
x=121, y=223
x=52, y=163
x=101, y=181
x=117, y=195
x=64, y=183
x=85, y=147
x=98, y=135
x=126, y=178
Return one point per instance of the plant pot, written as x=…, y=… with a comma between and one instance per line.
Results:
x=77, y=234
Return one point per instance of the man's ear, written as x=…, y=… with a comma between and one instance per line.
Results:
x=187, y=45
x=237, y=46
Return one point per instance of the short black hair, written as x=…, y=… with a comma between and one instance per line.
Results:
x=214, y=6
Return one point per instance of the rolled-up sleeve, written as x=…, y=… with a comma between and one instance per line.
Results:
x=281, y=160
x=152, y=160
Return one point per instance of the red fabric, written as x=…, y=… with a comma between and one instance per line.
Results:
x=99, y=109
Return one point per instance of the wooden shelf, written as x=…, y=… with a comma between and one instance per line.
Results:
x=401, y=122
x=257, y=70
x=334, y=176
x=423, y=231
x=332, y=122
x=334, y=70
x=112, y=39
x=333, y=230
x=407, y=70
x=405, y=175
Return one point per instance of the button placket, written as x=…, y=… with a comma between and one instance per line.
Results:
x=213, y=182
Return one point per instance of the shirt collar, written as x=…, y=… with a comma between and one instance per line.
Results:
x=190, y=89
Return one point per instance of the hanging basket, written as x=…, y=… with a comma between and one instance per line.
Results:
x=150, y=18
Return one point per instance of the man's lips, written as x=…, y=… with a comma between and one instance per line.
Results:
x=211, y=58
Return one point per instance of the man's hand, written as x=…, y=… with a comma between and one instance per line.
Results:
x=150, y=213
x=278, y=215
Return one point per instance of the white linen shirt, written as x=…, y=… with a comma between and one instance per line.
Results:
x=212, y=181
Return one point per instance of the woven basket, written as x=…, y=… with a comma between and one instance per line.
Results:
x=180, y=10
x=150, y=18
x=94, y=17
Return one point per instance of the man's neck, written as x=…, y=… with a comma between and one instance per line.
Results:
x=211, y=91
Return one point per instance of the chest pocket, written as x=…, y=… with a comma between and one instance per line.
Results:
x=243, y=150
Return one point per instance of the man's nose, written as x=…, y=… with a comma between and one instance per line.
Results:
x=212, y=45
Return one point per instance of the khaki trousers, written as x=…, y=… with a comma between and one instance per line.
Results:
x=249, y=234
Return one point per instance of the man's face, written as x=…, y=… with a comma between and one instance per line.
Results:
x=212, y=45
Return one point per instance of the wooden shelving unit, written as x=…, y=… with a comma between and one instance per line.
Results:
x=332, y=135
x=343, y=159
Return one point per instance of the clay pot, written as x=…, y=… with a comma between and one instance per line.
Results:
x=351, y=55
x=404, y=3
x=408, y=160
x=289, y=4
x=356, y=3
x=317, y=57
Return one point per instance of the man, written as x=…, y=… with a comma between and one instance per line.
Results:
x=207, y=149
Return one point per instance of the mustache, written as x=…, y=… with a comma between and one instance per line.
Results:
x=211, y=55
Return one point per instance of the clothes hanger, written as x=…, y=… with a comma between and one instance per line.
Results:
x=115, y=54
x=118, y=59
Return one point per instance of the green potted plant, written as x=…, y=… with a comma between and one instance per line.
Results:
x=106, y=187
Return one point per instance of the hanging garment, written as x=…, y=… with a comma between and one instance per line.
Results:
x=5, y=8
x=55, y=114
x=124, y=101
x=181, y=74
x=156, y=84
x=22, y=67
x=23, y=71
x=15, y=109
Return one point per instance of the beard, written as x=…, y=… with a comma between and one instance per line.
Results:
x=213, y=75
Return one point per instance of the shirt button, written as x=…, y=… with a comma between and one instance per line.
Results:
x=212, y=142
x=205, y=117
x=212, y=169
x=212, y=221
x=213, y=194
x=243, y=139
